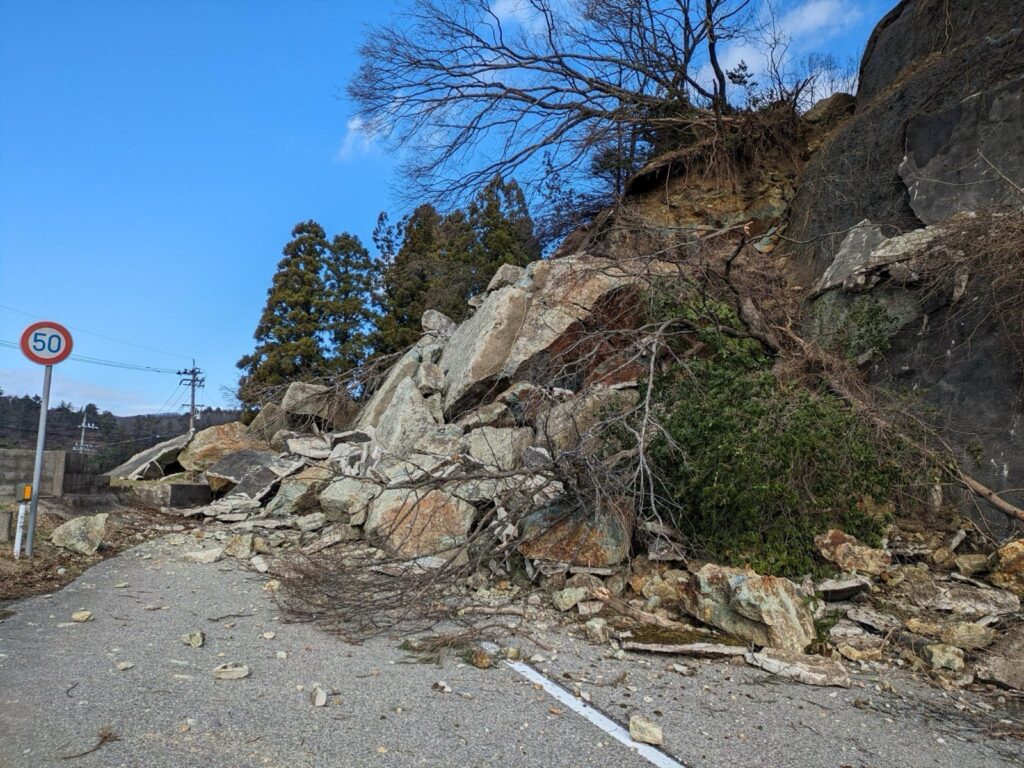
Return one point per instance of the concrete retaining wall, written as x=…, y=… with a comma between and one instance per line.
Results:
x=63, y=472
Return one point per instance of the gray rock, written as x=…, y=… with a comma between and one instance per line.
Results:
x=301, y=399
x=962, y=158
x=418, y=523
x=229, y=471
x=478, y=349
x=643, y=730
x=239, y=546
x=507, y=274
x=311, y=447
x=499, y=447
x=348, y=498
x=149, y=464
x=380, y=401
x=591, y=538
x=81, y=534
x=204, y=556
x=299, y=493
x=407, y=420
x=765, y=610
x=569, y=426
x=351, y=436
x=491, y=415
x=437, y=323
x=1003, y=663
x=210, y=445
x=566, y=599
x=313, y=522
x=230, y=671
x=534, y=457
x=429, y=378
x=597, y=630
x=269, y=421
x=837, y=590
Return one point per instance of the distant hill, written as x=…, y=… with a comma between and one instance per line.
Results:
x=116, y=439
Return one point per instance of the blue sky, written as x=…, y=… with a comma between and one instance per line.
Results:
x=154, y=157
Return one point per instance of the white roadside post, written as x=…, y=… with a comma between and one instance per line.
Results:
x=26, y=497
x=45, y=343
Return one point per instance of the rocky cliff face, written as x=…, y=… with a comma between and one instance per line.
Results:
x=924, y=59
x=898, y=210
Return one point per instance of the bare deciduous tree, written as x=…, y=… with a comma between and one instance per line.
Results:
x=501, y=83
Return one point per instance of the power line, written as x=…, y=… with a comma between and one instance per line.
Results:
x=100, y=361
x=99, y=335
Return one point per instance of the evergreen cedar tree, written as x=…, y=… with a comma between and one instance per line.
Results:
x=331, y=306
x=317, y=312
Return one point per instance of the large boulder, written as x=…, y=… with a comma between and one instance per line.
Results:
x=475, y=355
x=850, y=555
x=1003, y=663
x=420, y=523
x=81, y=534
x=299, y=493
x=208, y=446
x=149, y=464
x=568, y=425
x=268, y=422
x=304, y=400
x=593, y=538
x=347, y=499
x=499, y=448
x=530, y=328
x=767, y=611
x=380, y=401
x=406, y=422
x=230, y=470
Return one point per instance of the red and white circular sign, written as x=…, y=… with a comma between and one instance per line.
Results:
x=46, y=342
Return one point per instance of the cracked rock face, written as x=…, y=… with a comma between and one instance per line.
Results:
x=963, y=158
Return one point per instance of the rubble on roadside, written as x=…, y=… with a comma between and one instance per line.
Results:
x=463, y=429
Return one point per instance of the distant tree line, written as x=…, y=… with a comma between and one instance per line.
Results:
x=332, y=306
x=116, y=439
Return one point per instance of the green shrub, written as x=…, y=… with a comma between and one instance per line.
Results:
x=752, y=469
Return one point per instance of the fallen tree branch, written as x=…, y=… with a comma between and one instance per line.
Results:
x=106, y=736
x=861, y=404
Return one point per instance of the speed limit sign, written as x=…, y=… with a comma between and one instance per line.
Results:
x=46, y=342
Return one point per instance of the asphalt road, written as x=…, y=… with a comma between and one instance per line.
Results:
x=60, y=687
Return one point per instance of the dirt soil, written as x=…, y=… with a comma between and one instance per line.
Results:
x=126, y=527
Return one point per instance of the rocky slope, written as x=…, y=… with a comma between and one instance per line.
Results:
x=893, y=224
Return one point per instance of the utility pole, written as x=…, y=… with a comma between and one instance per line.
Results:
x=86, y=424
x=194, y=378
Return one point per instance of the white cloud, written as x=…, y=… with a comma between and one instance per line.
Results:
x=519, y=11
x=358, y=140
x=823, y=18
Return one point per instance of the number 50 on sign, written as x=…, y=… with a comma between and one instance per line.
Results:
x=46, y=342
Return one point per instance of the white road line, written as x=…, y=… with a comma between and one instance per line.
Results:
x=606, y=724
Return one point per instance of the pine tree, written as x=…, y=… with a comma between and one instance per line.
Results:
x=406, y=279
x=503, y=228
x=438, y=262
x=290, y=343
x=348, y=301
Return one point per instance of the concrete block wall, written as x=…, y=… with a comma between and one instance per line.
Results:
x=63, y=472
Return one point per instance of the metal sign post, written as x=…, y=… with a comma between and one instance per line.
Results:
x=45, y=343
